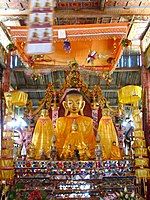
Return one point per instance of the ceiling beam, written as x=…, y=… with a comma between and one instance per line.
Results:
x=121, y=69
x=86, y=13
x=127, y=69
x=28, y=90
x=98, y=13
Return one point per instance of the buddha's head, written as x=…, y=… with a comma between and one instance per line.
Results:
x=44, y=113
x=74, y=102
x=106, y=112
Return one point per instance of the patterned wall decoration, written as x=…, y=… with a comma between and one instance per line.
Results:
x=75, y=5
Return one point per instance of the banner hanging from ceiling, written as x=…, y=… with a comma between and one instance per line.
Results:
x=40, y=32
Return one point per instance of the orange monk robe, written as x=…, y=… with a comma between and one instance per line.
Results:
x=85, y=127
x=108, y=135
x=42, y=136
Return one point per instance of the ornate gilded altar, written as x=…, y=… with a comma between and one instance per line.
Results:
x=72, y=178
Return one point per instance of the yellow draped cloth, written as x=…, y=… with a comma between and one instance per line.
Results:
x=42, y=136
x=108, y=135
x=85, y=133
x=137, y=119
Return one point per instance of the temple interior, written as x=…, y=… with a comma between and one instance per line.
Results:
x=74, y=99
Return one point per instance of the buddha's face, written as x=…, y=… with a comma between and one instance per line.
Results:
x=74, y=103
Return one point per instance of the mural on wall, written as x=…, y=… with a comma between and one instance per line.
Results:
x=40, y=33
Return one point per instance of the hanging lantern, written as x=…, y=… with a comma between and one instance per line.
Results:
x=129, y=94
x=16, y=98
x=67, y=45
x=142, y=173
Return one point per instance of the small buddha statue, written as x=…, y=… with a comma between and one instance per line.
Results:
x=98, y=149
x=31, y=151
x=53, y=153
x=35, y=35
x=98, y=152
x=37, y=4
x=47, y=4
x=43, y=155
x=75, y=129
x=36, y=19
x=53, y=150
x=74, y=142
x=115, y=152
x=107, y=133
x=46, y=18
x=46, y=35
x=42, y=135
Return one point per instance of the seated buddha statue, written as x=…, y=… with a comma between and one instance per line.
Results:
x=75, y=131
x=107, y=133
x=46, y=34
x=35, y=36
x=37, y=4
x=36, y=19
x=42, y=135
x=115, y=152
x=48, y=4
x=46, y=18
x=74, y=142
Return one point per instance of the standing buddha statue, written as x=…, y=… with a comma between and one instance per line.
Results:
x=75, y=131
x=108, y=136
x=42, y=135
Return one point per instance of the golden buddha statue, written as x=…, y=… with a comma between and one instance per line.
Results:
x=107, y=133
x=73, y=142
x=75, y=131
x=30, y=151
x=42, y=135
x=115, y=152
